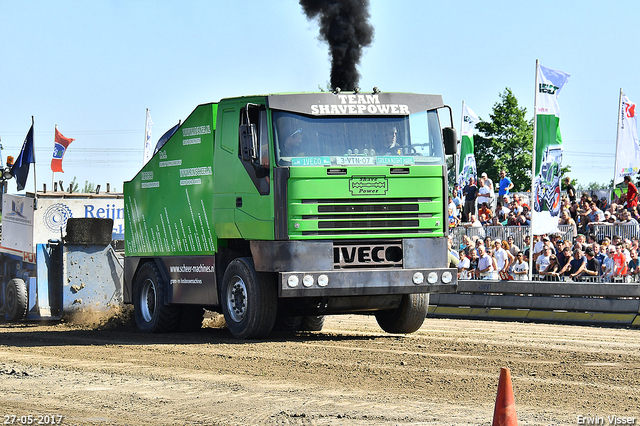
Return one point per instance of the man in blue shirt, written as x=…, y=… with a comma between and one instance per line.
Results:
x=505, y=184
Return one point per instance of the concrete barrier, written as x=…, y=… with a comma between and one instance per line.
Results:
x=542, y=301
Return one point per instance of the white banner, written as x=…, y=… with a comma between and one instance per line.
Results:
x=547, y=153
x=148, y=149
x=628, y=149
x=469, y=120
x=550, y=83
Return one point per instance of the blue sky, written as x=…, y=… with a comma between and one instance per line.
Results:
x=93, y=67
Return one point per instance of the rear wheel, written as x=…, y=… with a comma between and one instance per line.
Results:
x=287, y=324
x=312, y=323
x=249, y=300
x=16, y=300
x=150, y=312
x=406, y=318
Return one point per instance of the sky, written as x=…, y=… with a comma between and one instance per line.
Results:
x=93, y=68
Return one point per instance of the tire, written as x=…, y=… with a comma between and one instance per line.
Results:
x=16, y=300
x=191, y=318
x=406, y=318
x=287, y=324
x=150, y=312
x=249, y=300
x=312, y=323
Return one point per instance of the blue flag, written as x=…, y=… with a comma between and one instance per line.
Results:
x=20, y=169
x=165, y=138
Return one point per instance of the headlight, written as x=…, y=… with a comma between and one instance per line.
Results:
x=446, y=277
x=292, y=281
x=418, y=278
x=432, y=277
x=307, y=281
x=323, y=280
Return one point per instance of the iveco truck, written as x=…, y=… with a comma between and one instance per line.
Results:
x=277, y=210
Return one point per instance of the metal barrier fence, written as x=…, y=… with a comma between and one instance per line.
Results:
x=502, y=233
x=601, y=230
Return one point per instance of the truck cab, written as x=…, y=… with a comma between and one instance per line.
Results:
x=280, y=209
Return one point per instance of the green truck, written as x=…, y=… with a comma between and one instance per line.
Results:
x=277, y=210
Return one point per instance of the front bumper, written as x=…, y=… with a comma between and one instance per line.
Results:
x=360, y=282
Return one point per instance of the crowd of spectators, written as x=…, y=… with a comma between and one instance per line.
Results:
x=587, y=257
x=476, y=204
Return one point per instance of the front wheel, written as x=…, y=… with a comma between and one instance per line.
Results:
x=249, y=300
x=150, y=312
x=16, y=300
x=406, y=318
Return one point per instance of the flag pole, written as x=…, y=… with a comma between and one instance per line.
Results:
x=53, y=174
x=460, y=148
x=35, y=187
x=615, y=166
x=533, y=170
x=146, y=126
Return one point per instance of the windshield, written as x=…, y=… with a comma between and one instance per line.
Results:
x=335, y=141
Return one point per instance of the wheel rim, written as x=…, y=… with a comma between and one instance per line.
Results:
x=148, y=300
x=237, y=299
x=10, y=298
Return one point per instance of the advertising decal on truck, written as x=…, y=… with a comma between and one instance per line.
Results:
x=179, y=177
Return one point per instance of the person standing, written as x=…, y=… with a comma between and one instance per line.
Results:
x=593, y=265
x=608, y=265
x=492, y=195
x=578, y=264
x=520, y=268
x=470, y=191
x=571, y=191
x=485, y=265
x=463, y=266
x=505, y=184
x=632, y=193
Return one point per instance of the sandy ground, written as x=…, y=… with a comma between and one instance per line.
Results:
x=351, y=373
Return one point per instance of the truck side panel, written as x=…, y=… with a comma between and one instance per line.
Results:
x=169, y=204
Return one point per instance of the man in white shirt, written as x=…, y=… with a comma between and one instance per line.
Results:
x=539, y=246
x=502, y=257
x=544, y=261
x=485, y=264
x=520, y=268
x=463, y=266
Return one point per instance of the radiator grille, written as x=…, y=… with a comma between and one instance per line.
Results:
x=391, y=216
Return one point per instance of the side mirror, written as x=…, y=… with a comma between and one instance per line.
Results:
x=248, y=142
x=450, y=140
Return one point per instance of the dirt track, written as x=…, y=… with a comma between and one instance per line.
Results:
x=351, y=373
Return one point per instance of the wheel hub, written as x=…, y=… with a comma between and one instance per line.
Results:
x=237, y=299
x=148, y=300
x=10, y=298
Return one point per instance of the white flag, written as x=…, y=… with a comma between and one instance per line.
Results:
x=467, y=166
x=628, y=149
x=547, y=153
x=148, y=149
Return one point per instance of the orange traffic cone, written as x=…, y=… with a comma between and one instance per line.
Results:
x=504, y=413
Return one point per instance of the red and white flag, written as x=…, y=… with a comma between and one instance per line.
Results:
x=59, y=148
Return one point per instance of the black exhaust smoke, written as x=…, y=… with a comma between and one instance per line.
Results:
x=344, y=26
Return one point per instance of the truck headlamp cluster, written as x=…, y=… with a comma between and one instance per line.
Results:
x=307, y=281
x=293, y=281
x=310, y=280
x=323, y=280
